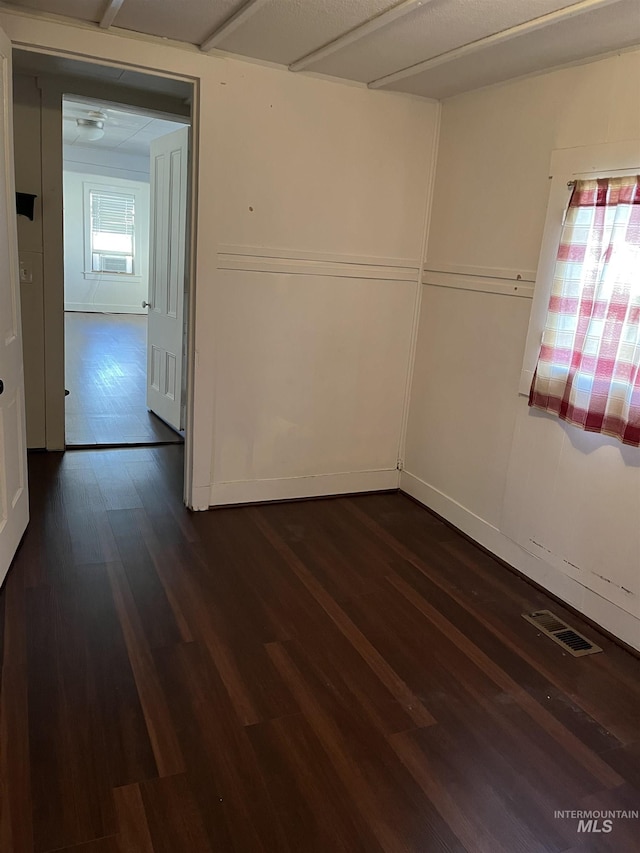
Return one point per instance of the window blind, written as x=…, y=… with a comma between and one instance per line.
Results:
x=112, y=213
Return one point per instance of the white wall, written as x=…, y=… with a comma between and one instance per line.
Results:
x=309, y=228
x=86, y=291
x=319, y=213
x=509, y=476
x=310, y=383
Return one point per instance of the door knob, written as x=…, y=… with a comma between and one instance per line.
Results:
x=1, y=386
x=146, y=304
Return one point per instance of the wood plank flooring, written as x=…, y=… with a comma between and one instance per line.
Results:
x=337, y=675
x=106, y=376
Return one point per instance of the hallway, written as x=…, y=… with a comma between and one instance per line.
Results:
x=343, y=674
x=106, y=370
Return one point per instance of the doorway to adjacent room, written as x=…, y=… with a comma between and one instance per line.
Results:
x=125, y=180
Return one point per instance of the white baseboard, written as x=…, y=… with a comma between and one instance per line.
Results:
x=103, y=308
x=286, y=488
x=199, y=500
x=612, y=618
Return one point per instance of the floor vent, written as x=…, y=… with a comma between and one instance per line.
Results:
x=561, y=633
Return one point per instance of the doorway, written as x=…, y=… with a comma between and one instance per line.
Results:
x=109, y=204
x=108, y=349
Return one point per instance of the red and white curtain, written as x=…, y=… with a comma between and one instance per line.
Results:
x=588, y=371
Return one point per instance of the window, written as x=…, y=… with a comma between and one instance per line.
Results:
x=112, y=231
x=588, y=368
x=108, y=226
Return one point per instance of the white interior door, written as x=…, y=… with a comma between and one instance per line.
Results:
x=14, y=499
x=168, y=211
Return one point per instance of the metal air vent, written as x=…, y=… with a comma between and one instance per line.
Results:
x=564, y=635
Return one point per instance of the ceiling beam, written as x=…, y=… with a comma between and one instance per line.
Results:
x=113, y=7
x=489, y=41
x=232, y=23
x=382, y=20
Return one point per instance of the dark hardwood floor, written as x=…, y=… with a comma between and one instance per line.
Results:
x=336, y=675
x=106, y=376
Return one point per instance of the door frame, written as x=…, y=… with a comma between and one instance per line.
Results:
x=14, y=516
x=53, y=252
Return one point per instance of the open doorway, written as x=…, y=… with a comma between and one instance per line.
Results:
x=41, y=80
x=124, y=205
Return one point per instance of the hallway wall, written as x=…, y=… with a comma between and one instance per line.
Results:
x=26, y=125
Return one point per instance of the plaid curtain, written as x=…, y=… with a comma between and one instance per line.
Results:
x=588, y=370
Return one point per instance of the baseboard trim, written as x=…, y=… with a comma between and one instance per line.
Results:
x=199, y=499
x=289, y=488
x=614, y=621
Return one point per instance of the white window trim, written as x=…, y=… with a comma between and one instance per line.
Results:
x=111, y=185
x=611, y=159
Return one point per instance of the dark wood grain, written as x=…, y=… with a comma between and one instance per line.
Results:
x=383, y=795
x=108, y=844
x=303, y=789
x=154, y=609
x=87, y=730
x=341, y=620
x=162, y=735
x=340, y=675
x=173, y=817
x=131, y=818
x=16, y=805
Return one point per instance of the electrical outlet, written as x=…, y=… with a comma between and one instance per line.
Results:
x=26, y=275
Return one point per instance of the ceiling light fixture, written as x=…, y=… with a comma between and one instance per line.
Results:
x=90, y=129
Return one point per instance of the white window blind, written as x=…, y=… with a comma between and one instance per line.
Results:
x=112, y=231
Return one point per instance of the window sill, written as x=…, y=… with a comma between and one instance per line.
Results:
x=112, y=276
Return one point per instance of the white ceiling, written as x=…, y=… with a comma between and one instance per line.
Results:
x=433, y=48
x=124, y=130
